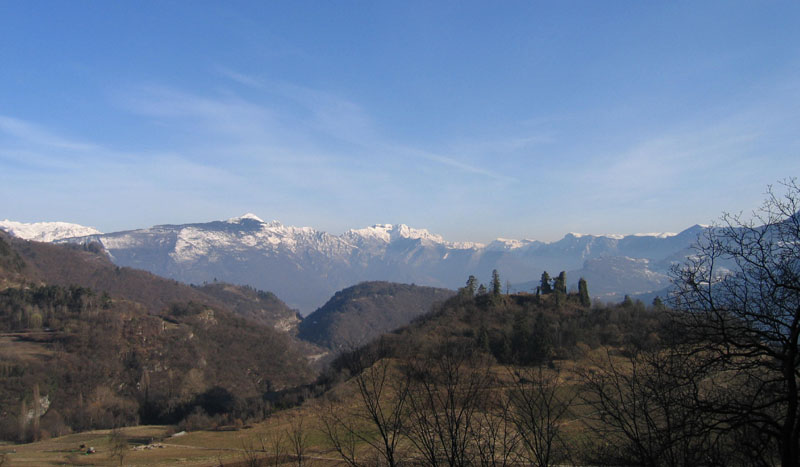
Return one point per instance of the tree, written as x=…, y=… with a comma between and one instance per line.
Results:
x=739, y=298
x=118, y=445
x=37, y=413
x=482, y=290
x=496, y=285
x=640, y=415
x=545, y=287
x=298, y=441
x=583, y=292
x=472, y=285
x=383, y=393
x=560, y=284
x=537, y=411
x=658, y=304
x=449, y=391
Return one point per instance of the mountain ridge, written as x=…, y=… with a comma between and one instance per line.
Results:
x=305, y=266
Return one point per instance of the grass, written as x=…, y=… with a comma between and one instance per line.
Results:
x=199, y=448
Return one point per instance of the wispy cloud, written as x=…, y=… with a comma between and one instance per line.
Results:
x=241, y=78
x=33, y=133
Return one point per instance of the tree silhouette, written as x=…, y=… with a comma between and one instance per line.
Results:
x=739, y=294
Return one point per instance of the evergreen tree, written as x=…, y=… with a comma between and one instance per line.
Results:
x=658, y=304
x=627, y=302
x=496, y=285
x=482, y=290
x=472, y=284
x=545, y=287
x=483, y=339
x=583, y=292
x=560, y=284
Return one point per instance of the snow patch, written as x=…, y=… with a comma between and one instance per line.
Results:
x=656, y=234
x=46, y=231
x=249, y=216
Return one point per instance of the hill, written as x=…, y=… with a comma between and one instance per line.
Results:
x=86, y=344
x=255, y=305
x=358, y=314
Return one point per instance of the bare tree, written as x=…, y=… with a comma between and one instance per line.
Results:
x=273, y=444
x=383, y=395
x=538, y=409
x=495, y=436
x=118, y=445
x=251, y=454
x=740, y=296
x=449, y=388
x=36, y=431
x=641, y=412
x=298, y=441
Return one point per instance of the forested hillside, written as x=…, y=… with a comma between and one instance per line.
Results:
x=358, y=314
x=84, y=344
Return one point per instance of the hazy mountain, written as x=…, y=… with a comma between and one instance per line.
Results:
x=358, y=314
x=305, y=266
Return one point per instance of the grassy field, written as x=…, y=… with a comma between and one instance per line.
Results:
x=153, y=445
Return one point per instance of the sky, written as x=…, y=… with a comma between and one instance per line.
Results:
x=474, y=120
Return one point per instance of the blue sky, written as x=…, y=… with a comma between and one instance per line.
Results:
x=475, y=120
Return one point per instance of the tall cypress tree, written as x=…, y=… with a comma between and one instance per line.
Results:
x=561, y=283
x=583, y=292
x=472, y=284
x=546, y=288
x=496, y=285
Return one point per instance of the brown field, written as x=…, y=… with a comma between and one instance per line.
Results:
x=153, y=445
x=24, y=346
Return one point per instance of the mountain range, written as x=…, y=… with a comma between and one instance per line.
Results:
x=304, y=266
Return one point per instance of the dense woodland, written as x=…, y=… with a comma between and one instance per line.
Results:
x=360, y=313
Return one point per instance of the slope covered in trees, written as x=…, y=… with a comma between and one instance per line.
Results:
x=107, y=346
x=360, y=313
x=255, y=305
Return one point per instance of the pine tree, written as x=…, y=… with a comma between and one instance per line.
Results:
x=496, y=285
x=546, y=288
x=560, y=284
x=583, y=292
x=658, y=304
x=482, y=290
x=471, y=286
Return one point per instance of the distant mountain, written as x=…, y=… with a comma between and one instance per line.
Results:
x=46, y=231
x=305, y=266
x=361, y=313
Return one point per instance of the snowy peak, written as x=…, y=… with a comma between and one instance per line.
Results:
x=46, y=231
x=384, y=234
x=247, y=216
x=508, y=244
x=390, y=232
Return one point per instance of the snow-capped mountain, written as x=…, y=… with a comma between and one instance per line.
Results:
x=304, y=266
x=46, y=231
